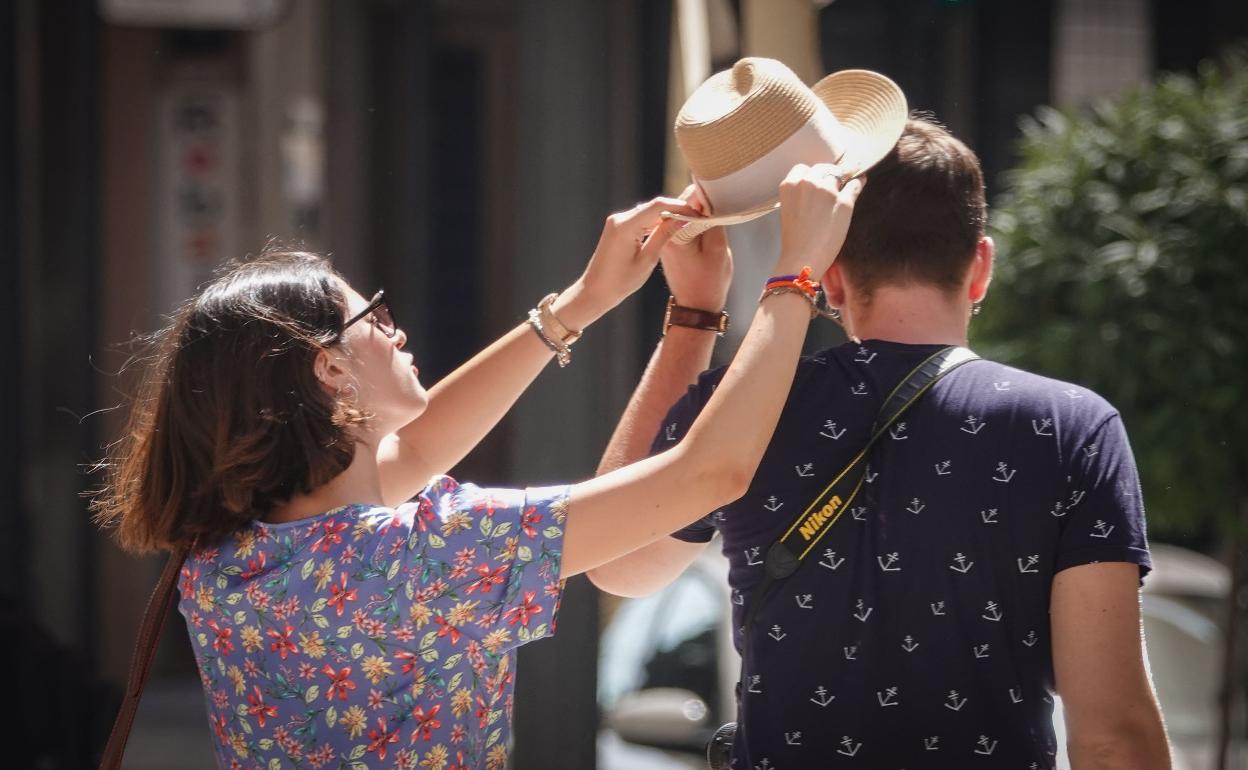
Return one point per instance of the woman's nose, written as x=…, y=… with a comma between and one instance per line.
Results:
x=400, y=339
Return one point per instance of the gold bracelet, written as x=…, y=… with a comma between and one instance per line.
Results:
x=791, y=289
x=550, y=321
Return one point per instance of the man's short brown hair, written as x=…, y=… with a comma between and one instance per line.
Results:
x=920, y=216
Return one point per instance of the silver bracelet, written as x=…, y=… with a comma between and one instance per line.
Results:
x=562, y=353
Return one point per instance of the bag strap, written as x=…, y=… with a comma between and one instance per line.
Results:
x=158, y=605
x=786, y=554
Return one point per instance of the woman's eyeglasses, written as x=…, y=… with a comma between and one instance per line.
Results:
x=378, y=313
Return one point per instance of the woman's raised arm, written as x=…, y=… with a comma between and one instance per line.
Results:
x=470, y=401
x=616, y=513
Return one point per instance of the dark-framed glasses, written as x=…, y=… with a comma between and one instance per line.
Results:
x=378, y=313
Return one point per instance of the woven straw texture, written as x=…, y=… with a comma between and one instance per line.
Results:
x=739, y=115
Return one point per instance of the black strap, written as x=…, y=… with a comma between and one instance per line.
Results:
x=786, y=554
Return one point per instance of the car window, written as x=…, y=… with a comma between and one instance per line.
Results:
x=664, y=640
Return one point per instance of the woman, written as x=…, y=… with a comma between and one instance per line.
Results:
x=282, y=429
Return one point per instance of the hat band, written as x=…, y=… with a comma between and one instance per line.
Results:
x=820, y=140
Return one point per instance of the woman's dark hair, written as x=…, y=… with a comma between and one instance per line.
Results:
x=920, y=215
x=230, y=418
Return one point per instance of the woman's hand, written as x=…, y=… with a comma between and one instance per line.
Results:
x=626, y=254
x=698, y=273
x=814, y=213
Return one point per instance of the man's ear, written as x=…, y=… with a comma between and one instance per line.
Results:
x=981, y=269
x=834, y=286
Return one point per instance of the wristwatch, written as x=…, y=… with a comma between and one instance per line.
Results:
x=679, y=315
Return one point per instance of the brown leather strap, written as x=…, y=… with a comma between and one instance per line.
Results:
x=141, y=662
x=693, y=318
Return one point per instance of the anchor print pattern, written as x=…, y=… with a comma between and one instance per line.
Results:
x=959, y=500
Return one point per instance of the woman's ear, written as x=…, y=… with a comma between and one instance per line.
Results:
x=328, y=371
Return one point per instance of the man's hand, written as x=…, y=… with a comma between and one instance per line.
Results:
x=698, y=273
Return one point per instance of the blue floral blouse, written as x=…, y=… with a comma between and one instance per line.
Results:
x=370, y=637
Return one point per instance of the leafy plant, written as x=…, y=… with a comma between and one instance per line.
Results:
x=1123, y=243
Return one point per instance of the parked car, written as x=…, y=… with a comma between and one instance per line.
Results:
x=667, y=666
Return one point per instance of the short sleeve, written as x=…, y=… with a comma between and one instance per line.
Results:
x=675, y=425
x=489, y=564
x=1105, y=508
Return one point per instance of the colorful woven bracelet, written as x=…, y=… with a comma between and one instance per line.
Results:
x=802, y=281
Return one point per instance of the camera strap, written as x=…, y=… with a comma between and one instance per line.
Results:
x=787, y=553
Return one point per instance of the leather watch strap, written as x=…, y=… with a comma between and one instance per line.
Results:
x=144, y=652
x=693, y=318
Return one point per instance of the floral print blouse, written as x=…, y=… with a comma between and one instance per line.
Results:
x=370, y=637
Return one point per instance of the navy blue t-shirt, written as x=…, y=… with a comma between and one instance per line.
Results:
x=917, y=633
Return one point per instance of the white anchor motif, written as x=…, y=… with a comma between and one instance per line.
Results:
x=981, y=651
x=916, y=506
x=1072, y=393
x=751, y=556
x=803, y=601
x=942, y=467
x=738, y=598
x=1002, y=386
x=773, y=504
x=755, y=681
x=858, y=513
x=973, y=425
x=1125, y=488
x=1091, y=450
x=989, y=516
x=909, y=645
x=819, y=360
x=1004, y=474
x=719, y=516
x=897, y=430
x=870, y=477
x=938, y=608
x=777, y=633
x=847, y=742
x=887, y=697
x=851, y=652
x=830, y=431
x=793, y=739
x=1102, y=529
x=1029, y=568
x=931, y=744
x=670, y=432
x=1044, y=427
x=859, y=390
x=764, y=765
x=1076, y=497
x=955, y=702
x=864, y=356
x=963, y=565
x=822, y=698
x=804, y=470
x=863, y=612
x=992, y=612
x=1031, y=639
x=985, y=746
x=1058, y=510
x=887, y=566
x=830, y=560
x=1016, y=694
x=1047, y=699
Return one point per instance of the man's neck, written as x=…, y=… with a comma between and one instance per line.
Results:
x=914, y=315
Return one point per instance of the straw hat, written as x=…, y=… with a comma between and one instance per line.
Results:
x=744, y=129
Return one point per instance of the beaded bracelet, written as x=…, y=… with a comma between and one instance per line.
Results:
x=800, y=284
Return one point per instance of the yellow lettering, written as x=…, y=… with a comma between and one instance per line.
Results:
x=816, y=519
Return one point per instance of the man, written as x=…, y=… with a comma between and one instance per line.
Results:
x=994, y=554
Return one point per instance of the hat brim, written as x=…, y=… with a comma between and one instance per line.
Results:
x=869, y=106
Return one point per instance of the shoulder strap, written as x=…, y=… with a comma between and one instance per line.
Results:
x=141, y=662
x=786, y=554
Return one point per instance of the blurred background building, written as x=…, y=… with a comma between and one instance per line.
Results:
x=463, y=154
